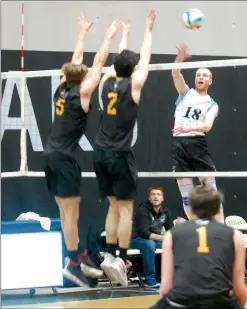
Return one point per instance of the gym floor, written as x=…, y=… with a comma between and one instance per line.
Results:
x=103, y=297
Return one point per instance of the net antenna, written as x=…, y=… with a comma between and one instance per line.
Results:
x=152, y=67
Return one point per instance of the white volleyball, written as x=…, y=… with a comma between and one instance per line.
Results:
x=193, y=19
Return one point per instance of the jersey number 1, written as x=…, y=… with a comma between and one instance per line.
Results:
x=111, y=109
x=60, y=106
x=202, y=237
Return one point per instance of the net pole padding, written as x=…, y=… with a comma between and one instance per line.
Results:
x=22, y=36
x=23, y=139
x=152, y=67
x=235, y=174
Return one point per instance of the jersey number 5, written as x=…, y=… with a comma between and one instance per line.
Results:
x=60, y=106
x=202, y=237
x=111, y=109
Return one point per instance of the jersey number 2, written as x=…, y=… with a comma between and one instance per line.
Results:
x=60, y=106
x=111, y=109
x=202, y=238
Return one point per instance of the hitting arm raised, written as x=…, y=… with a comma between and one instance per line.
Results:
x=177, y=76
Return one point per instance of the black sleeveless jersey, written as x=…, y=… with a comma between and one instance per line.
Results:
x=118, y=116
x=69, y=122
x=203, y=260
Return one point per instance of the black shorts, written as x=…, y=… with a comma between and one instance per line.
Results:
x=63, y=175
x=164, y=304
x=116, y=173
x=190, y=154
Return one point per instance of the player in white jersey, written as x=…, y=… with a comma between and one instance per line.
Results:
x=194, y=116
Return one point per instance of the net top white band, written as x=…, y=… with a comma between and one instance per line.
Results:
x=236, y=174
x=152, y=67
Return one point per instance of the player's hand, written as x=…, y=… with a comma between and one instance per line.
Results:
x=180, y=130
x=150, y=20
x=183, y=52
x=126, y=25
x=84, y=24
x=112, y=30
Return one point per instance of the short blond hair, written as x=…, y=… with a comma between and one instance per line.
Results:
x=74, y=73
x=155, y=188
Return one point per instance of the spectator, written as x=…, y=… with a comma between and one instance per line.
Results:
x=151, y=220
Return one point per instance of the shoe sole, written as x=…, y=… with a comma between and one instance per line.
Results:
x=119, y=277
x=91, y=272
x=151, y=286
x=108, y=271
x=68, y=275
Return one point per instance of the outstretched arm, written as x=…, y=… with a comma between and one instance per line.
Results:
x=178, y=78
x=141, y=74
x=85, y=25
x=125, y=33
x=122, y=45
x=77, y=57
x=89, y=85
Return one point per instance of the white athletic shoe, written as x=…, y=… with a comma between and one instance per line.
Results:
x=120, y=270
x=106, y=267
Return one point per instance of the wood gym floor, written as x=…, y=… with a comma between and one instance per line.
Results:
x=104, y=297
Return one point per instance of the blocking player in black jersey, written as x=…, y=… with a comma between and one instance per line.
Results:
x=203, y=261
x=114, y=163
x=63, y=174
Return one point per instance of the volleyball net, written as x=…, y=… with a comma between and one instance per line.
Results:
x=25, y=123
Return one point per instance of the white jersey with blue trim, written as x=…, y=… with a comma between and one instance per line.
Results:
x=191, y=111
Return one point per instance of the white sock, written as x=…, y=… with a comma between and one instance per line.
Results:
x=212, y=183
x=185, y=189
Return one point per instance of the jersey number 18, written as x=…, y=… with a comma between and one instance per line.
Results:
x=194, y=114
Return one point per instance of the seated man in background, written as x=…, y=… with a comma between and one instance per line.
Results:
x=151, y=221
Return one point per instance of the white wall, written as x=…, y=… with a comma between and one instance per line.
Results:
x=52, y=25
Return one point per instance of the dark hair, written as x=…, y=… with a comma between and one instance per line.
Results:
x=155, y=188
x=205, y=201
x=125, y=62
x=74, y=73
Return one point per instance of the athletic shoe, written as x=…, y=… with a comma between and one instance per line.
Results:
x=106, y=267
x=152, y=283
x=75, y=275
x=89, y=268
x=120, y=270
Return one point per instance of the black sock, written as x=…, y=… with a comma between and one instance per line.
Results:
x=81, y=248
x=123, y=254
x=111, y=248
x=73, y=257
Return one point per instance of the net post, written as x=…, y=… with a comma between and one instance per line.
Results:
x=23, y=139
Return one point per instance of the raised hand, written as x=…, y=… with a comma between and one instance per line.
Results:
x=126, y=25
x=183, y=52
x=84, y=24
x=112, y=30
x=150, y=19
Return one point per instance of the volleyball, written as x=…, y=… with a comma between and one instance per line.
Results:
x=193, y=19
